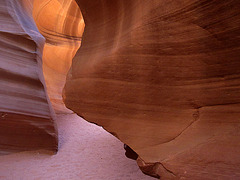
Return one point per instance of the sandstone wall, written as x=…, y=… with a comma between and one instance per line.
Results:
x=32, y=69
x=26, y=121
x=163, y=77
x=61, y=23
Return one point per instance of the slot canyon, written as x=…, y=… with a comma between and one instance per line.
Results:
x=83, y=80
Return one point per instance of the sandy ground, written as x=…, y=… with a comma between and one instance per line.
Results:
x=86, y=152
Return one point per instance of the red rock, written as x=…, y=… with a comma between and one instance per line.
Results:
x=163, y=77
x=26, y=121
x=61, y=23
x=33, y=69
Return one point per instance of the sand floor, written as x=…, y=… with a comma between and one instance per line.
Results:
x=86, y=152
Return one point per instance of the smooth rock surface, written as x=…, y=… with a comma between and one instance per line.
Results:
x=26, y=115
x=163, y=77
x=62, y=25
x=32, y=69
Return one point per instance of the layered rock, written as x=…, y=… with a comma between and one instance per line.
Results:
x=61, y=23
x=163, y=77
x=27, y=62
x=26, y=121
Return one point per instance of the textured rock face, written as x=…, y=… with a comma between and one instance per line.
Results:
x=163, y=77
x=26, y=121
x=27, y=62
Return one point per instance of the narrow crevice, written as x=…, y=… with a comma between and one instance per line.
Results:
x=169, y=171
x=214, y=105
x=195, y=116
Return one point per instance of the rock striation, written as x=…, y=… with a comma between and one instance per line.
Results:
x=61, y=23
x=26, y=115
x=33, y=69
x=164, y=78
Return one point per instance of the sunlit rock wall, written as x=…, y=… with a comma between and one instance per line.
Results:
x=61, y=23
x=27, y=62
x=26, y=116
x=163, y=77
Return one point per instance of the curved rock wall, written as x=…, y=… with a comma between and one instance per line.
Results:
x=27, y=62
x=26, y=116
x=61, y=23
x=163, y=77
